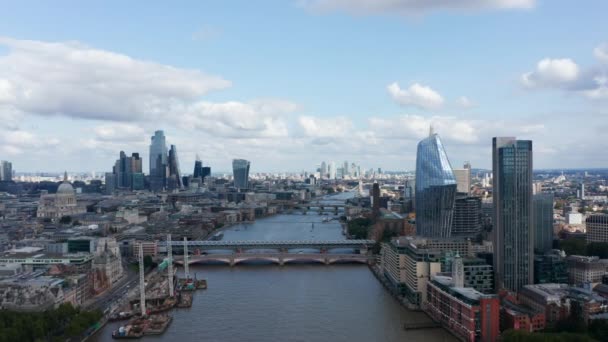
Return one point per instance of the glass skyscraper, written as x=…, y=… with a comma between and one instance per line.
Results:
x=240, y=169
x=435, y=189
x=175, y=177
x=543, y=222
x=513, y=214
x=158, y=154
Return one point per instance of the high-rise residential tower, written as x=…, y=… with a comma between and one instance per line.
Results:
x=435, y=189
x=513, y=214
x=6, y=171
x=543, y=222
x=240, y=169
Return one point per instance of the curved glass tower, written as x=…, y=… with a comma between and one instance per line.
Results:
x=240, y=169
x=435, y=189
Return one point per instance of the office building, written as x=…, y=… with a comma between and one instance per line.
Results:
x=467, y=313
x=550, y=268
x=158, y=161
x=478, y=274
x=467, y=217
x=435, y=189
x=408, y=262
x=174, y=179
x=240, y=170
x=543, y=222
x=597, y=228
x=110, y=180
x=574, y=218
x=198, y=168
x=323, y=170
x=6, y=171
x=552, y=299
x=126, y=169
x=376, y=200
x=463, y=179
x=158, y=153
x=513, y=215
x=585, y=269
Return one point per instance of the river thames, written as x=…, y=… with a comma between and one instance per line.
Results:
x=304, y=302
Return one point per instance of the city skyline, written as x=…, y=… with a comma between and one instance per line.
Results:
x=268, y=106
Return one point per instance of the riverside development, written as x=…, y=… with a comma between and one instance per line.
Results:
x=259, y=300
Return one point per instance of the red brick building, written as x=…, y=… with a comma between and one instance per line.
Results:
x=469, y=314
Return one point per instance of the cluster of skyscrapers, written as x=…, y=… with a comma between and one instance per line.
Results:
x=521, y=221
x=164, y=173
x=331, y=171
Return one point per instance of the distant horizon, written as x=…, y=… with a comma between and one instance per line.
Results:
x=292, y=83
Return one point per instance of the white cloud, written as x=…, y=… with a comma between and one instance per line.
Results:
x=259, y=118
x=416, y=95
x=409, y=7
x=416, y=127
x=552, y=73
x=601, y=52
x=329, y=128
x=119, y=132
x=75, y=80
x=465, y=102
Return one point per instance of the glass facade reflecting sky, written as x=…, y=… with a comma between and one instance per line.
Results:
x=240, y=169
x=513, y=225
x=435, y=189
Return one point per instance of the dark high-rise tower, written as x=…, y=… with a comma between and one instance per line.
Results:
x=376, y=200
x=435, y=189
x=175, y=178
x=198, y=168
x=127, y=172
x=240, y=169
x=543, y=222
x=467, y=217
x=513, y=223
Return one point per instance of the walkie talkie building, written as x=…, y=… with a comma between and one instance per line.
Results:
x=435, y=189
x=240, y=169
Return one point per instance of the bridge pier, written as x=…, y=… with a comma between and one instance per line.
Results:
x=326, y=261
x=232, y=262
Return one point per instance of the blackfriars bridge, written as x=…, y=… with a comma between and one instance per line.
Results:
x=277, y=258
x=277, y=252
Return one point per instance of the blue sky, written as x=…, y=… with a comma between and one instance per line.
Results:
x=288, y=84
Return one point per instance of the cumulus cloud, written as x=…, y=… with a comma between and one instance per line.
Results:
x=601, y=52
x=566, y=75
x=119, y=132
x=15, y=142
x=259, y=118
x=409, y=7
x=416, y=95
x=72, y=79
x=325, y=129
x=552, y=73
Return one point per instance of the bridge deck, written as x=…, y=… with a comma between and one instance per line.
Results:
x=275, y=244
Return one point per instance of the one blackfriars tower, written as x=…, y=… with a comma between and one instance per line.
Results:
x=240, y=169
x=435, y=189
x=513, y=219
